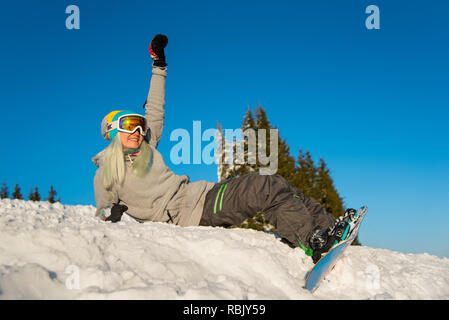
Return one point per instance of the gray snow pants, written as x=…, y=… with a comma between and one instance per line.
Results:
x=294, y=215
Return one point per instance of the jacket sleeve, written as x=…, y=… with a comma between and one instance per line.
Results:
x=154, y=107
x=103, y=198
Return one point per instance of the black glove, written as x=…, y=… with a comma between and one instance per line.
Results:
x=116, y=213
x=156, y=49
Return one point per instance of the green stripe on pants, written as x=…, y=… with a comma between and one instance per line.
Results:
x=221, y=199
x=216, y=199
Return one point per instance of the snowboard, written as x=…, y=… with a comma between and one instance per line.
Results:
x=328, y=261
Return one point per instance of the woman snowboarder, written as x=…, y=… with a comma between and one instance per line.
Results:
x=132, y=177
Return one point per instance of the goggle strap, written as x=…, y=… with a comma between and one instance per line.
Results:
x=112, y=125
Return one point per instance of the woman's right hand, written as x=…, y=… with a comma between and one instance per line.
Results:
x=116, y=213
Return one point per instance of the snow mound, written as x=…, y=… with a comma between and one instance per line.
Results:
x=55, y=251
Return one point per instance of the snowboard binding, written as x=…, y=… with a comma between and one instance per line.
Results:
x=323, y=240
x=338, y=237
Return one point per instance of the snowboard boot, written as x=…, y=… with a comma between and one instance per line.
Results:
x=322, y=240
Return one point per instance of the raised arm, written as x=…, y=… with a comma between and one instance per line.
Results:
x=154, y=106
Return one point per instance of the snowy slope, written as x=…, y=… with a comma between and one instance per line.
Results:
x=47, y=250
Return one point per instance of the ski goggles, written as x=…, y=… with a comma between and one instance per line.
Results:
x=129, y=123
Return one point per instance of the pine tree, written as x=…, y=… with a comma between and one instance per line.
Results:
x=226, y=161
x=4, y=192
x=262, y=120
x=219, y=157
x=31, y=195
x=326, y=193
x=51, y=195
x=263, y=136
x=251, y=126
x=248, y=127
x=286, y=162
x=306, y=174
x=36, y=195
x=16, y=194
x=262, y=123
x=248, y=120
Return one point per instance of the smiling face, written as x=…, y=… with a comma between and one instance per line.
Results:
x=131, y=140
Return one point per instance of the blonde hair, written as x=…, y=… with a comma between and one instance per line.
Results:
x=114, y=162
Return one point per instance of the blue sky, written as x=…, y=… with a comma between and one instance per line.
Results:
x=373, y=103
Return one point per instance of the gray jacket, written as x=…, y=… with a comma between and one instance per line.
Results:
x=161, y=196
